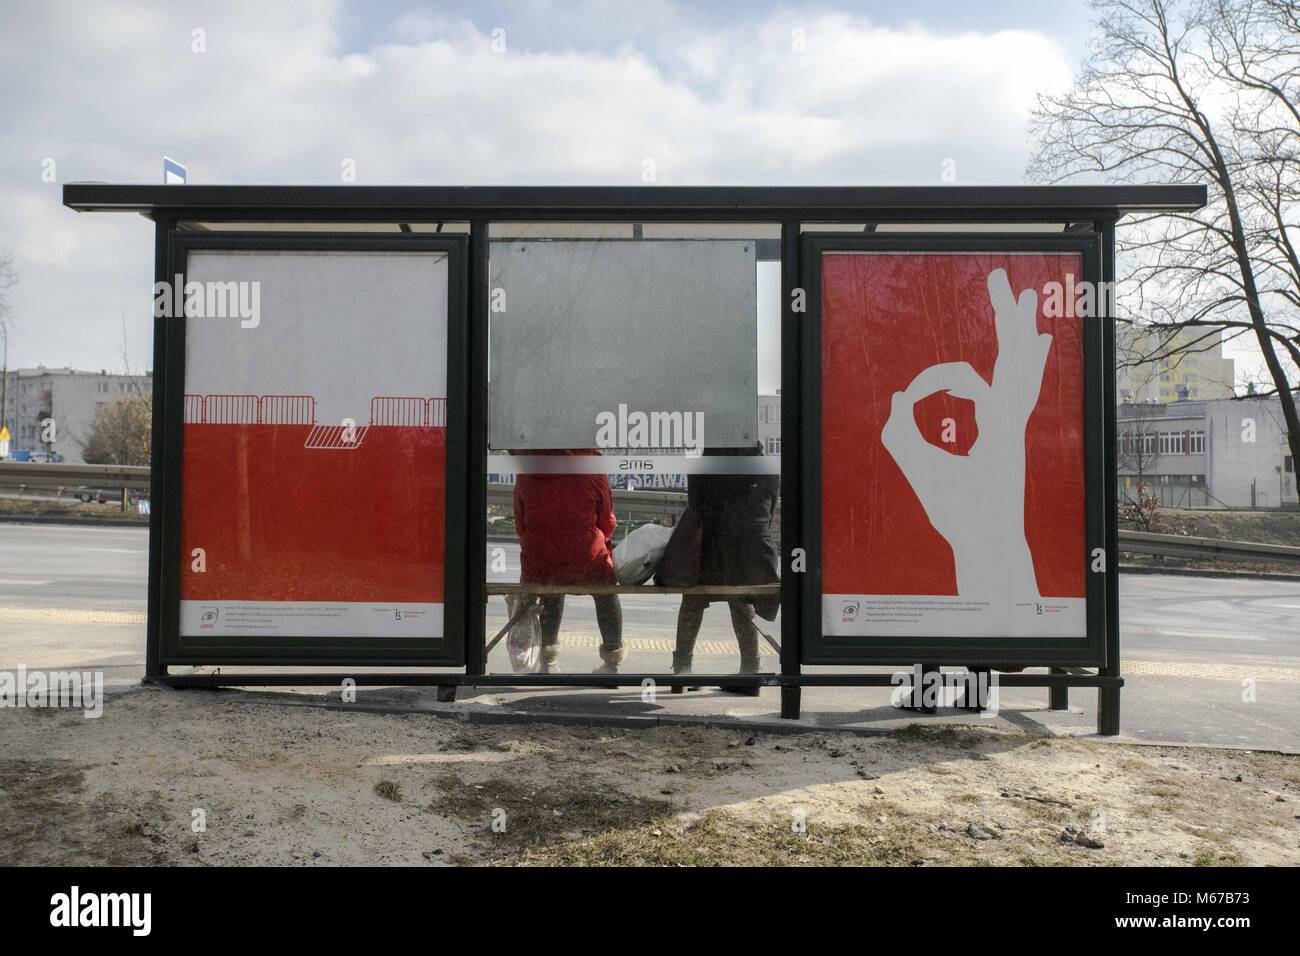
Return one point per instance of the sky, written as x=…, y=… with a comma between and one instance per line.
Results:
x=581, y=93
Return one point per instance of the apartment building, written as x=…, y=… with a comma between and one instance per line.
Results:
x=1188, y=366
x=67, y=397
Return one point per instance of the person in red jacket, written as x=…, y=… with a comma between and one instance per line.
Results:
x=565, y=523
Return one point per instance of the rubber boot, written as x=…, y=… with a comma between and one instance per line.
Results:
x=610, y=657
x=749, y=663
x=681, y=665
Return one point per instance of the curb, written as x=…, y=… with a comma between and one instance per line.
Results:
x=769, y=725
x=499, y=716
x=1209, y=573
x=75, y=520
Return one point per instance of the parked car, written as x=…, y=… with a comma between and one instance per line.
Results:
x=102, y=495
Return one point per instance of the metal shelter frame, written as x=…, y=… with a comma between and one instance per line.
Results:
x=1083, y=217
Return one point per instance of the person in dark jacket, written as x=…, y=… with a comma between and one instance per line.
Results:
x=565, y=523
x=738, y=546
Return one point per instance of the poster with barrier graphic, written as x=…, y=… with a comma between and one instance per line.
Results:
x=953, y=445
x=314, y=465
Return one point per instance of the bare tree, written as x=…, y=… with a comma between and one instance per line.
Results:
x=1196, y=92
x=1136, y=460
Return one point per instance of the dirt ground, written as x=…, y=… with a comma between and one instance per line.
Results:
x=280, y=784
x=68, y=508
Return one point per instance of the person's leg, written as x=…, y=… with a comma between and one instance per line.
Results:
x=689, y=618
x=747, y=637
x=552, y=612
x=742, y=622
x=609, y=618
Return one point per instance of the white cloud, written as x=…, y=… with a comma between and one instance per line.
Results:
x=278, y=97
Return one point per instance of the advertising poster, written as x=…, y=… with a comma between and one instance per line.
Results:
x=314, y=446
x=953, y=497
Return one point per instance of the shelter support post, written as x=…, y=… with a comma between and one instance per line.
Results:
x=153, y=668
x=791, y=464
x=1108, y=694
x=1058, y=695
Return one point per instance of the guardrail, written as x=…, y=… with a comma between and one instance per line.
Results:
x=1183, y=546
x=63, y=475
x=657, y=503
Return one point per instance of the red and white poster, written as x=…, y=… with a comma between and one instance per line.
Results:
x=315, y=446
x=952, y=446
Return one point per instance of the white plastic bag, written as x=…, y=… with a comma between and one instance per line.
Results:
x=524, y=641
x=637, y=555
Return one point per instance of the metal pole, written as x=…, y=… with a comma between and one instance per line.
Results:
x=1108, y=697
x=1058, y=696
x=4, y=382
x=153, y=669
x=791, y=464
x=476, y=487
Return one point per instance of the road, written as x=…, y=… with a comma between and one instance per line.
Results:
x=1207, y=660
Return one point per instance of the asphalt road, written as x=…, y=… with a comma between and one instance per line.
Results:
x=1207, y=660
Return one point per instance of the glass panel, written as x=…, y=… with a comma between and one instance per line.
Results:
x=629, y=470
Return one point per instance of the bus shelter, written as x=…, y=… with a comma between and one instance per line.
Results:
x=366, y=396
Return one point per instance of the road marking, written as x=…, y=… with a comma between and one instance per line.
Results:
x=59, y=615
x=1202, y=634
x=1233, y=672
x=649, y=644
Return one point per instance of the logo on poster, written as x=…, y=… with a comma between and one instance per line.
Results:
x=849, y=612
x=209, y=618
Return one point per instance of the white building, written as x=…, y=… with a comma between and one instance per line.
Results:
x=769, y=423
x=1227, y=453
x=67, y=397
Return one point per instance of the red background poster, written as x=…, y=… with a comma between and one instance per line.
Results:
x=885, y=319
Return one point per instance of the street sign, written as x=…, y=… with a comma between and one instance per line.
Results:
x=174, y=174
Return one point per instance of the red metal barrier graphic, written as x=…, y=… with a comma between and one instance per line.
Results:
x=230, y=409
x=435, y=415
x=336, y=437
x=408, y=412
x=287, y=410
